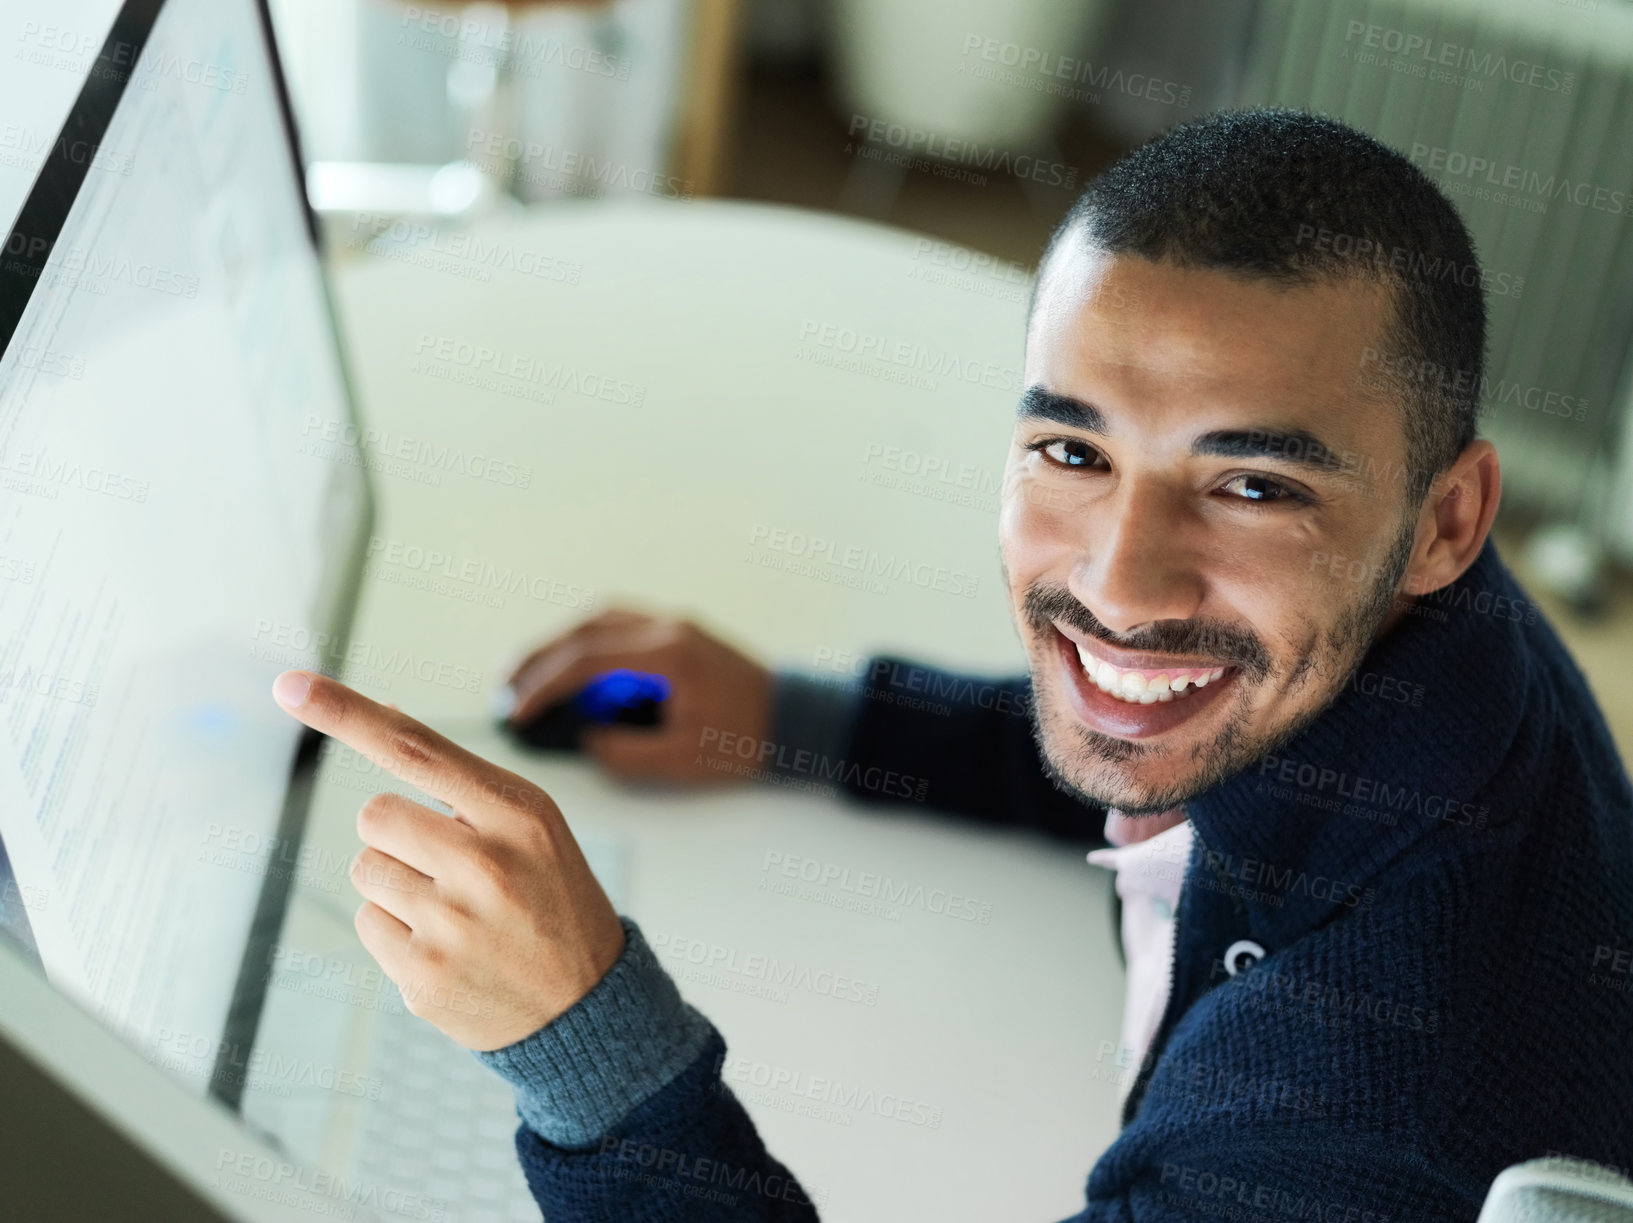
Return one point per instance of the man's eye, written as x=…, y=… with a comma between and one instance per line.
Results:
x=1261, y=489
x=1069, y=453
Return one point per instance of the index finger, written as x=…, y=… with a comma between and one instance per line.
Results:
x=401, y=746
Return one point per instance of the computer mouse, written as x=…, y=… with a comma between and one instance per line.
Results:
x=622, y=697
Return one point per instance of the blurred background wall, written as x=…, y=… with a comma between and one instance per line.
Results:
x=977, y=121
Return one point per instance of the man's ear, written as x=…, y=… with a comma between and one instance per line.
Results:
x=1455, y=519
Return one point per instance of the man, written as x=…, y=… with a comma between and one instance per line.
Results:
x=1244, y=532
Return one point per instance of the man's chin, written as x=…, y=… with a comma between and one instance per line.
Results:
x=1141, y=779
x=1147, y=811
x=1130, y=796
x=1135, y=778
x=1135, y=785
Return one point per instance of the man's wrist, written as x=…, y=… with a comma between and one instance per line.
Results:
x=619, y=1045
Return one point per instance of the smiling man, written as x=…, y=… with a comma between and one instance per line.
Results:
x=1373, y=839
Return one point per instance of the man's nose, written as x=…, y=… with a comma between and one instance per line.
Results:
x=1134, y=567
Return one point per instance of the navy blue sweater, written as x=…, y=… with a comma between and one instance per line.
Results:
x=1401, y=961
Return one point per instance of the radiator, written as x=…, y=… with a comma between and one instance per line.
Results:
x=1522, y=111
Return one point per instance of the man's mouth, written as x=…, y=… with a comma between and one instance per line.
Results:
x=1146, y=686
x=1141, y=695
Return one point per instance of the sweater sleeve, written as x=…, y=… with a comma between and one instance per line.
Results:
x=903, y=733
x=626, y=1115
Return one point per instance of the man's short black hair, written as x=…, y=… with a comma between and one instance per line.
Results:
x=1298, y=198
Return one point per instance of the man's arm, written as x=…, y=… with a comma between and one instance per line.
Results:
x=626, y=1115
x=897, y=733
x=963, y=743
x=689, y=1154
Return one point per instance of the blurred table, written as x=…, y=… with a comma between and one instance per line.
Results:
x=685, y=389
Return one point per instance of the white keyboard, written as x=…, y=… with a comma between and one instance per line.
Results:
x=442, y=1134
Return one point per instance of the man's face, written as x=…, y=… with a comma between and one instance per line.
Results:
x=1204, y=519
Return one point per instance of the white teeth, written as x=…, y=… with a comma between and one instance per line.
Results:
x=1134, y=688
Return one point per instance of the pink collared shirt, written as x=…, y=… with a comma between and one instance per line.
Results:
x=1148, y=853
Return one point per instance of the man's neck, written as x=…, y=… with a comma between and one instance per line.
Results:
x=1124, y=829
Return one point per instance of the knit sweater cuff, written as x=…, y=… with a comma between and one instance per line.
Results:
x=619, y=1045
x=811, y=717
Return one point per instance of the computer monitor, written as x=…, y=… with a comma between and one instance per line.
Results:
x=81, y=1134
x=170, y=539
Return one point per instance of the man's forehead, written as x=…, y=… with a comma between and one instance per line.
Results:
x=1213, y=333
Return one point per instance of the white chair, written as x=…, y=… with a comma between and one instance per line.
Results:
x=1559, y=1191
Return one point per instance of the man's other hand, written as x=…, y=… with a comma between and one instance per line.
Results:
x=489, y=921
x=717, y=716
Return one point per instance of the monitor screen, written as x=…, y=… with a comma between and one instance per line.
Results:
x=168, y=540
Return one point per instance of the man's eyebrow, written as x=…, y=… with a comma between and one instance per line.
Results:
x=1297, y=446
x=1039, y=404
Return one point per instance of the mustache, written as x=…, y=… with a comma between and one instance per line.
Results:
x=1190, y=638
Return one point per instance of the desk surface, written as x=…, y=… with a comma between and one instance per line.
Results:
x=780, y=360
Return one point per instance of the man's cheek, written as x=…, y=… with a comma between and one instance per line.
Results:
x=1040, y=530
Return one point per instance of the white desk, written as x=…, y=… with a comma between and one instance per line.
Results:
x=998, y=1026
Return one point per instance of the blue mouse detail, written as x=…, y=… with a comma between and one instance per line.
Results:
x=622, y=697
x=606, y=696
